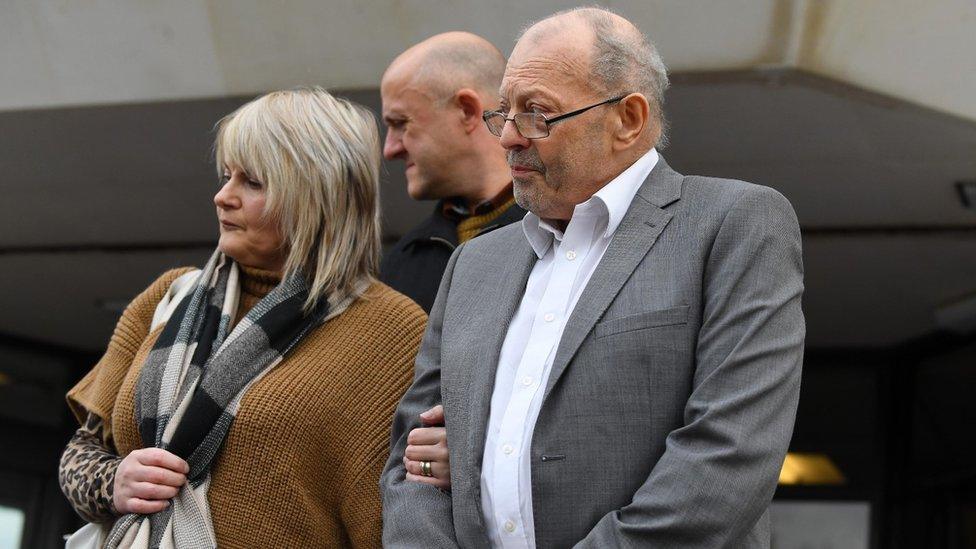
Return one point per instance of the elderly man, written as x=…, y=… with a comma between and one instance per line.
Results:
x=434, y=95
x=622, y=368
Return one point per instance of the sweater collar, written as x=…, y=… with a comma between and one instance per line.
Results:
x=256, y=283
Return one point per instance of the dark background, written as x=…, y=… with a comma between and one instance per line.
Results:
x=97, y=201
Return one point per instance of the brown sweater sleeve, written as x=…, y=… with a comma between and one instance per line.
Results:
x=387, y=373
x=97, y=391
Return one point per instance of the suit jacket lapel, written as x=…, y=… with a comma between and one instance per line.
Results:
x=637, y=232
x=505, y=286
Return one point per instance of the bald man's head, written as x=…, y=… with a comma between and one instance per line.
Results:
x=622, y=59
x=434, y=95
x=443, y=64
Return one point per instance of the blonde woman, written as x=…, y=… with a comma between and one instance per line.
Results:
x=248, y=403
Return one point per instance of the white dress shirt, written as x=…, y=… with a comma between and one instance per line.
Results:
x=566, y=262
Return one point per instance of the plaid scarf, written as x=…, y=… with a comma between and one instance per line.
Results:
x=191, y=386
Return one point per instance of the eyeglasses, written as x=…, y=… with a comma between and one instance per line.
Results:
x=533, y=125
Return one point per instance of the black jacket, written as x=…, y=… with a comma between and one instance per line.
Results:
x=415, y=264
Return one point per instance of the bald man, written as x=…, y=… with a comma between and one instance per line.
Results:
x=621, y=368
x=434, y=95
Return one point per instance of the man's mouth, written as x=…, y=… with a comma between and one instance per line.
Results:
x=518, y=169
x=523, y=162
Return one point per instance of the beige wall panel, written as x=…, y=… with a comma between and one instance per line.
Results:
x=924, y=52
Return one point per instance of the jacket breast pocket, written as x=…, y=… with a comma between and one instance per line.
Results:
x=640, y=321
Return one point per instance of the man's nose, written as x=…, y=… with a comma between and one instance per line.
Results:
x=392, y=146
x=511, y=138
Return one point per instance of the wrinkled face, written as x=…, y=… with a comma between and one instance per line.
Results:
x=552, y=175
x=246, y=234
x=421, y=133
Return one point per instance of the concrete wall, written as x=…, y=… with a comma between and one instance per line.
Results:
x=109, y=51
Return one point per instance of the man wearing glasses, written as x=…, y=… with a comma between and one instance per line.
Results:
x=622, y=368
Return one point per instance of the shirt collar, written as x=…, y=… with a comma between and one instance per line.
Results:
x=456, y=208
x=612, y=202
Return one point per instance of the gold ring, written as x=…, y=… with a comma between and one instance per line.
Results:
x=425, y=469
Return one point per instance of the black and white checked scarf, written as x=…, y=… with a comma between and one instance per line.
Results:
x=191, y=386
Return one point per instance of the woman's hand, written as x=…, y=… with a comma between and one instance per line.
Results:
x=429, y=444
x=146, y=480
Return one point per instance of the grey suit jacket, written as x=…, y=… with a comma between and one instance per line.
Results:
x=672, y=396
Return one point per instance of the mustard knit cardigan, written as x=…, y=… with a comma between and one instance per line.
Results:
x=300, y=466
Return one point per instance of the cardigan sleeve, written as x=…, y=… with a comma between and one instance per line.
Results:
x=97, y=391
x=359, y=510
x=390, y=367
x=86, y=471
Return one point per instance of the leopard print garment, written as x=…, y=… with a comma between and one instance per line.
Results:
x=87, y=472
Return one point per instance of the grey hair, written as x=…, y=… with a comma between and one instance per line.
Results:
x=624, y=59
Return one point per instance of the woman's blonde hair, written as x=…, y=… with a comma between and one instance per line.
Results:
x=318, y=155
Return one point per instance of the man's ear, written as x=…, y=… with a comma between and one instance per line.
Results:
x=635, y=114
x=470, y=108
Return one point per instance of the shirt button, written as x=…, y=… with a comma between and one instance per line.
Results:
x=509, y=526
x=571, y=255
x=526, y=381
x=508, y=449
x=549, y=317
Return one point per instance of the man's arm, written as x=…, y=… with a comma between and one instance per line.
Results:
x=417, y=514
x=719, y=470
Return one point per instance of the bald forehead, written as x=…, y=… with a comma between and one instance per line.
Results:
x=551, y=61
x=448, y=62
x=550, y=55
x=579, y=20
x=567, y=28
